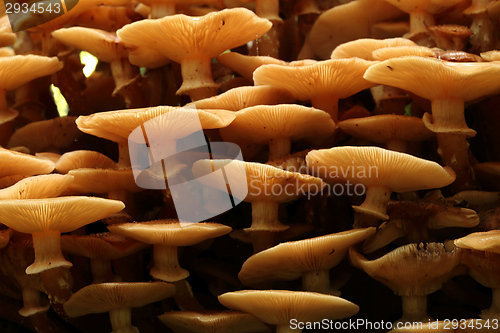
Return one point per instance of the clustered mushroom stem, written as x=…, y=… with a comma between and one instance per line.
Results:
x=162, y=9
x=58, y=283
x=483, y=33
x=318, y=281
x=269, y=9
x=124, y=75
x=269, y=43
x=48, y=254
x=327, y=103
x=374, y=206
x=121, y=321
x=396, y=145
x=197, y=79
x=265, y=214
x=123, y=156
x=420, y=20
x=166, y=263
x=102, y=271
x=494, y=310
x=185, y=298
x=414, y=309
x=279, y=147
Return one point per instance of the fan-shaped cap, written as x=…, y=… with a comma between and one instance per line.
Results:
x=83, y=159
x=104, y=297
x=340, y=77
x=244, y=97
x=379, y=167
x=20, y=69
x=104, y=45
x=278, y=307
x=14, y=163
x=429, y=6
x=103, y=180
x=37, y=187
x=212, y=322
x=263, y=182
x=483, y=241
x=363, y=48
x=63, y=214
x=43, y=135
x=245, y=65
x=104, y=246
x=287, y=261
x=263, y=123
x=170, y=232
x=385, y=53
x=206, y=36
x=412, y=270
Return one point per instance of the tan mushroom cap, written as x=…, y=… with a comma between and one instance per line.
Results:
x=340, y=77
x=483, y=241
x=264, y=123
x=20, y=69
x=412, y=270
x=83, y=159
x=384, y=128
x=7, y=37
x=212, y=322
x=363, y=48
x=491, y=55
x=103, y=297
x=288, y=261
x=207, y=36
x=14, y=163
x=386, y=53
x=62, y=214
x=117, y=125
x=243, y=97
x=101, y=246
x=263, y=182
x=170, y=232
x=278, y=307
x=379, y=167
x=145, y=56
x=104, y=45
x=54, y=157
x=430, y=6
x=245, y=65
x=37, y=187
x=88, y=180
x=339, y=19
x=46, y=134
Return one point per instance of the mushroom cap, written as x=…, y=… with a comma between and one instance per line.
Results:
x=63, y=214
x=373, y=166
x=58, y=132
x=7, y=37
x=429, y=6
x=212, y=322
x=146, y=56
x=20, y=69
x=483, y=241
x=436, y=79
x=383, y=128
x=491, y=55
x=37, y=187
x=339, y=19
x=83, y=159
x=264, y=123
x=117, y=125
x=104, y=297
x=14, y=163
x=385, y=53
x=170, y=232
x=287, y=261
x=106, y=246
x=412, y=270
x=245, y=65
x=188, y=37
x=263, y=182
x=363, y=48
x=339, y=77
x=87, y=180
x=104, y=45
x=278, y=307
x=243, y=97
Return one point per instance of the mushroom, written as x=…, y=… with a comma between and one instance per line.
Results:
x=364, y=47
x=118, y=299
x=83, y=159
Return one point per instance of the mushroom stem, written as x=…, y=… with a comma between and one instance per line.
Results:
x=48, y=255
x=483, y=33
x=494, y=310
x=121, y=321
x=6, y=114
x=32, y=303
x=166, y=264
x=268, y=9
x=161, y=9
x=58, y=283
x=374, y=205
x=396, y=145
x=197, y=79
x=124, y=75
x=265, y=215
x=414, y=309
x=184, y=297
x=123, y=156
x=101, y=271
x=327, y=103
x=318, y=281
x=419, y=21
x=279, y=147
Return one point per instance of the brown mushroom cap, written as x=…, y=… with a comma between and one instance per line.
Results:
x=483, y=241
x=37, y=187
x=101, y=246
x=103, y=297
x=88, y=180
x=278, y=307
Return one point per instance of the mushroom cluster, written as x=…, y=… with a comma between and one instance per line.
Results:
x=250, y=166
